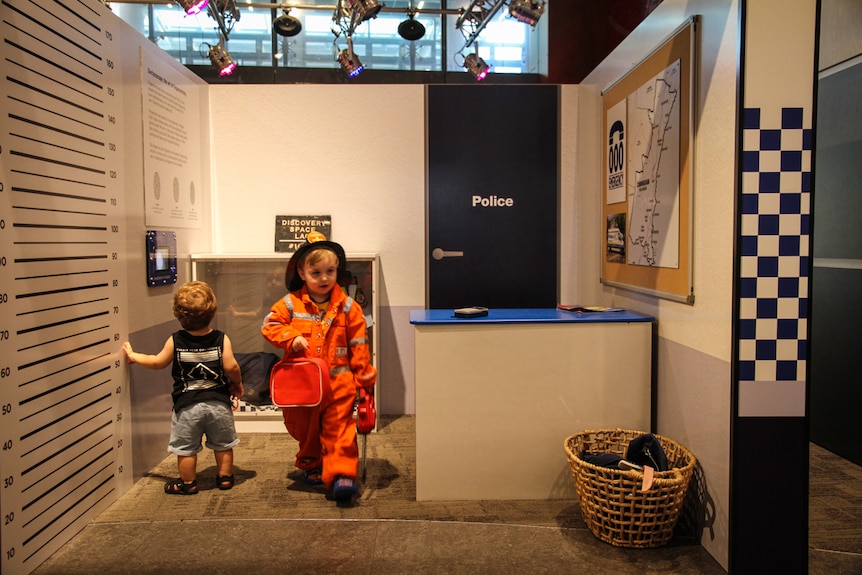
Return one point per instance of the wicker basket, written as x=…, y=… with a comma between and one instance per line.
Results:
x=612, y=503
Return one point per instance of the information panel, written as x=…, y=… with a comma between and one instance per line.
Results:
x=172, y=147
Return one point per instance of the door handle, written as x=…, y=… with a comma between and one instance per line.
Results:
x=439, y=254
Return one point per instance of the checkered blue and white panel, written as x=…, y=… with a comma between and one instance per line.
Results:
x=774, y=201
x=774, y=245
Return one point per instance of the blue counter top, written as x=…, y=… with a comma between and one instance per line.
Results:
x=526, y=315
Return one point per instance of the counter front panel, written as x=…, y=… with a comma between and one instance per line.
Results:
x=497, y=396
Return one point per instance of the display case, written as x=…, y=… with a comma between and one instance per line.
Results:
x=246, y=286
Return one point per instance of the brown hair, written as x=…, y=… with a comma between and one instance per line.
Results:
x=194, y=305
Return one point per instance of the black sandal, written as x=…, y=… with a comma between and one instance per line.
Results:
x=313, y=476
x=177, y=487
x=224, y=482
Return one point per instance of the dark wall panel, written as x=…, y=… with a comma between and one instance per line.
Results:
x=770, y=528
x=493, y=196
x=838, y=192
x=835, y=389
x=836, y=382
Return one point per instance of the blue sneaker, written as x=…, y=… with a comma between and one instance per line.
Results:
x=343, y=489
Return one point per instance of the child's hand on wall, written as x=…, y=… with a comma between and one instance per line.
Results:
x=127, y=349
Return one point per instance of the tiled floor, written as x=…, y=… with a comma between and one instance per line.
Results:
x=365, y=546
x=270, y=523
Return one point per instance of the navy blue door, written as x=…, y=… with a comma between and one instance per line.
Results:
x=492, y=203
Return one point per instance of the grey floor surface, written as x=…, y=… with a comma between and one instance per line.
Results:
x=272, y=523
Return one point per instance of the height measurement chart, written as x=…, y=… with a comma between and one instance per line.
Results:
x=61, y=293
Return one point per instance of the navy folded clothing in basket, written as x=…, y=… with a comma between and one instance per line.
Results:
x=601, y=459
x=643, y=450
x=646, y=449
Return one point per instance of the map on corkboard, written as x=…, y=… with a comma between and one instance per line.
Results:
x=648, y=167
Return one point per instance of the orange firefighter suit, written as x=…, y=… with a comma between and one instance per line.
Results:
x=327, y=432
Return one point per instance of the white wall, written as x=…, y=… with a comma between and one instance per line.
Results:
x=356, y=153
x=694, y=345
x=353, y=152
x=572, y=244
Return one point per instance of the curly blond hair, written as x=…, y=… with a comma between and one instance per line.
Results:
x=194, y=305
x=318, y=255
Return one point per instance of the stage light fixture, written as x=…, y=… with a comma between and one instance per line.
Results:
x=476, y=66
x=365, y=9
x=411, y=29
x=350, y=61
x=287, y=25
x=221, y=60
x=192, y=6
x=526, y=11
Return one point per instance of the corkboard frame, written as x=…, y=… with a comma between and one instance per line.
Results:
x=669, y=283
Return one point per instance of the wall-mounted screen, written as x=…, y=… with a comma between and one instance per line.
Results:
x=161, y=258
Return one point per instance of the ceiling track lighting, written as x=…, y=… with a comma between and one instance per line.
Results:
x=287, y=25
x=526, y=11
x=221, y=59
x=365, y=9
x=475, y=17
x=347, y=16
x=349, y=60
x=192, y=7
x=476, y=66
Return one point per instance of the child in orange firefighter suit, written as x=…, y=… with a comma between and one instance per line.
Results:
x=317, y=319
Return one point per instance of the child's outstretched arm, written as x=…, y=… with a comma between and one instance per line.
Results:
x=158, y=361
x=231, y=368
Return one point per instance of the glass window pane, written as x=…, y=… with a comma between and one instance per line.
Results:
x=313, y=22
x=507, y=53
x=135, y=15
x=253, y=22
x=506, y=44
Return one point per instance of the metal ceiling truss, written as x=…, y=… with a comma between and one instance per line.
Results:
x=475, y=17
x=225, y=13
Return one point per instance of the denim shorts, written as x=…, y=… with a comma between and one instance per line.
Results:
x=213, y=418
